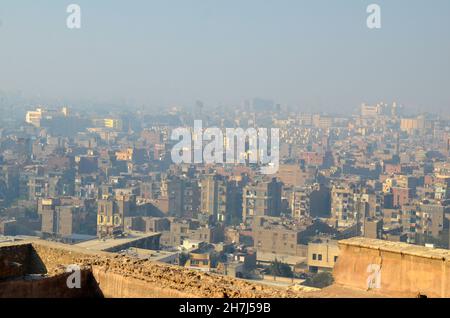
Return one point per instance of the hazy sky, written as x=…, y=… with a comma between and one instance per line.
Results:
x=314, y=54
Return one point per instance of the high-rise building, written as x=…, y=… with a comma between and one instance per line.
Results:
x=342, y=203
x=221, y=199
x=111, y=214
x=58, y=220
x=261, y=198
x=184, y=197
x=299, y=202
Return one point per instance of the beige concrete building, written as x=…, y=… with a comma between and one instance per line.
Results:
x=322, y=255
x=277, y=239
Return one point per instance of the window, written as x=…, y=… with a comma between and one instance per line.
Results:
x=335, y=259
x=320, y=257
x=314, y=256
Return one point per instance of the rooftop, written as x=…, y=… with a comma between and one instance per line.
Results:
x=113, y=243
x=398, y=247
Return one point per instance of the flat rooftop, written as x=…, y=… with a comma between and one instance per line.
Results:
x=398, y=247
x=270, y=257
x=150, y=255
x=111, y=243
x=6, y=239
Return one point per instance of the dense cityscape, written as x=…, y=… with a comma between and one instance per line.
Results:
x=105, y=181
x=224, y=157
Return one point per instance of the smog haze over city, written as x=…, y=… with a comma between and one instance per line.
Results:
x=272, y=152
x=309, y=55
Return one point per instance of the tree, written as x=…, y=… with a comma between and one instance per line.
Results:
x=320, y=280
x=280, y=269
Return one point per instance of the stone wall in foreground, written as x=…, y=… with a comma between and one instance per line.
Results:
x=51, y=287
x=116, y=276
x=14, y=261
x=114, y=285
x=393, y=269
x=123, y=277
x=365, y=268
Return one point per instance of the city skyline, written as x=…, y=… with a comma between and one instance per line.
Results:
x=202, y=150
x=306, y=55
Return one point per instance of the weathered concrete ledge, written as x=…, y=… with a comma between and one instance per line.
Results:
x=121, y=277
x=393, y=269
x=365, y=268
